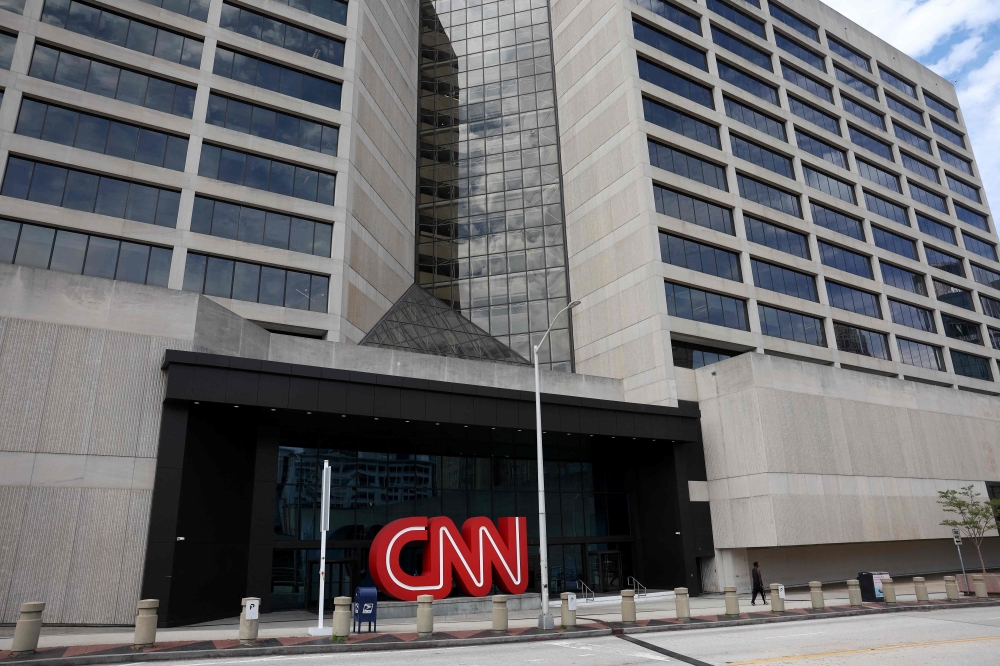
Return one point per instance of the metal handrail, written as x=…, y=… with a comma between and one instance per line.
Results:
x=635, y=586
x=582, y=588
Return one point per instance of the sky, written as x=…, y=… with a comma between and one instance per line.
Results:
x=958, y=39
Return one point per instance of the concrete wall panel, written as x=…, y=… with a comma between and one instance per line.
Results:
x=25, y=362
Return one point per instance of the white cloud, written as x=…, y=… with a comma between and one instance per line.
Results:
x=960, y=55
x=979, y=95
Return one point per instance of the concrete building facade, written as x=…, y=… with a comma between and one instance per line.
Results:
x=774, y=221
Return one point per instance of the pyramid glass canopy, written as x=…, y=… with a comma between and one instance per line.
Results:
x=420, y=323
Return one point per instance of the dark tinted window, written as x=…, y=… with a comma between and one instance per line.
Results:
x=740, y=18
x=750, y=84
x=837, y=221
x=853, y=300
x=814, y=115
x=802, y=53
x=743, y=49
x=699, y=257
x=912, y=138
x=821, y=149
x=753, y=118
x=948, y=293
x=961, y=329
x=903, y=279
x=849, y=54
x=986, y=276
x=879, y=175
x=691, y=209
x=793, y=22
x=969, y=365
x=886, y=209
x=980, y=247
x=894, y=243
x=845, y=260
x=276, y=78
x=870, y=143
x=855, y=83
x=941, y=107
x=919, y=354
x=869, y=115
x=7, y=44
x=253, y=225
x=687, y=165
x=904, y=110
x=15, y=6
x=196, y=9
x=681, y=123
x=861, y=341
x=706, y=307
x=675, y=83
x=920, y=167
x=766, y=195
x=947, y=133
x=282, y=34
x=791, y=325
x=963, y=188
x=778, y=238
x=673, y=14
x=761, y=156
x=828, y=184
x=783, y=280
x=897, y=83
x=687, y=355
x=936, y=229
x=239, y=168
x=954, y=160
x=944, y=261
x=269, y=124
x=991, y=306
x=928, y=198
x=244, y=281
x=968, y=216
x=807, y=83
x=661, y=41
x=905, y=314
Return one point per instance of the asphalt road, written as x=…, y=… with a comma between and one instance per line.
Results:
x=969, y=637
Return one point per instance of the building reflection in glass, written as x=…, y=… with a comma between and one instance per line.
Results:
x=491, y=232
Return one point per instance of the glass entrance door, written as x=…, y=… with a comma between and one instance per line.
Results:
x=610, y=571
x=340, y=577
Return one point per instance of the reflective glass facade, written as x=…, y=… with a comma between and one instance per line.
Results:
x=491, y=231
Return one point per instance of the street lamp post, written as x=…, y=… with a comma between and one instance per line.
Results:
x=545, y=620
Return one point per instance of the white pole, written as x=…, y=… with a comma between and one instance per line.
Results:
x=324, y=525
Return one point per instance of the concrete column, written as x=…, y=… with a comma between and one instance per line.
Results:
x=978, y=584
x=854, y=592
x=951, y=588
x=920, y=586
x=341, y=617
x=145, y=623
x=567, y=614
x=816, y=595
x=248, y=628
x=628, y=606
x=682, y=603
x=888, y=591
x=732, y=601
x=777, y=603
x=28, y=628
x=500, y=618
x=425, y=616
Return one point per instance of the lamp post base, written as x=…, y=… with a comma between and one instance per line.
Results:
x=545, y=622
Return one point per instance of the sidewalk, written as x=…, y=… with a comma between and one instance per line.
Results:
x=287, y=633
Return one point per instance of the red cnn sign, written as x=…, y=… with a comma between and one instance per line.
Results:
x=474, y=555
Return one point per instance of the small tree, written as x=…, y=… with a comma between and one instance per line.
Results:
x=976, y=518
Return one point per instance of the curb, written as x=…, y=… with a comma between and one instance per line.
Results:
x=336, y=648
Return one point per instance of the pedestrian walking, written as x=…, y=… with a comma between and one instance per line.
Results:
x=758, y=585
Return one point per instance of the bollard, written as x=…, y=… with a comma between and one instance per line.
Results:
x=979, y=584
x=682, y=603
x=249, y=625
x=777, y=603
x=28, y=627
x=567, y=609
x=920, y=587
x=854, y=592
x=951, y=588
x=425, y=616
x=500, y=622
x=888, y=591
x=341, y=621
x=816, y=595
x=732, y=602
x=628, y=606
x=145, y=623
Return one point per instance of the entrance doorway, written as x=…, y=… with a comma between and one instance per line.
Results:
x=340, y=578
x=609, y=571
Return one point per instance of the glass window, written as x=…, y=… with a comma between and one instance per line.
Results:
x=793, y=22
x=807, y=83
x=216, y=276
x=34, y=247
x=747, y=83
x=706, y=307
x=853, y=300
x=821, y=149
x=868, y=115
x=783, y=280
x=954, y=160
x=111, y=81
x=829, y=185
x=196, y=9
x=921, y=355
x=969, y=365
x=743, y=49
x=15, y=6
x=880, y=176
x=861, y=341
x=753, y=118
x=920, y=167
x=994, y=337
x=814, y=115
x=761, y=156
x=693, y=210
x=894, y=243
x=904, y=110
x=944, y=261
x=968, y=216
x=7, y=44
x=852, y=56
x=870, y=143
x=963, y=188
x=279, y=33
x=264, y=174
x=681, y=123
x=856, y=83
x=845, y=260
x=912, y=138
x=948, y=134
x=991, y=306
x=949, y=293
x=903, y=279
x=691, y=356
x=928, y=198
x=886, y=209
x=936, y=229
x=740, y=18
x=941, y=107
x=912, y=316
x=986, y=276
x=699, y=257
x=672, y=13
x=897, y=83
x=791, y=325
x=686, y=165
x=837, y=221
x=766, y=195
x=112, y=27
x=675, y=83
x=802, y=53
x=277, y=78
x=980, y=247
x=778, y=238
x=674, y=47
x=961, y=329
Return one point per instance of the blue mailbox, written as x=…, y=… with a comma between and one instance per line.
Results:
x=365, y=608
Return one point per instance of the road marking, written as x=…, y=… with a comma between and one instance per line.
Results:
x=663, y=651
x=811, y=633
x=606, y=650
x=840, y=653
